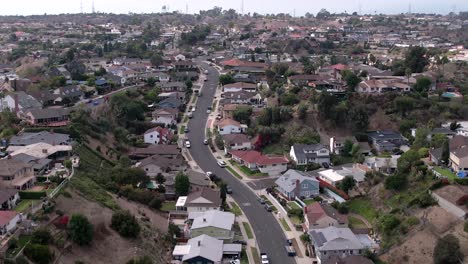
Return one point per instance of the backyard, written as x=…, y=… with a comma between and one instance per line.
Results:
x=363, y=207
x=22, y=241
x=446, y=173
x=168, y=206
x=355, y=223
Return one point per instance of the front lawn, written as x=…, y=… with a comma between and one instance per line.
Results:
x=168, y=206
x=235, y=209
x=24, y=205
x=256, y=255
x=446, y=173
x=285, y=224
x=248, y=230
x=296, y=220
x=363, y=207
x=354, y=222
x=309, y=201
x=294, y=205
x=250, y=173
x=233, y=172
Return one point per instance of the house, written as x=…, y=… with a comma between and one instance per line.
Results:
x=387, y=165
x=72, y=93
x=168, y=151
x=20, y=102
x=240, y=86
x=156, y=164
x=184, y=65
x=241, y=97
x=198, y=180
x=459, y=160
x=228, y=110
x=230, y=126
x=256, y=161
x=296, y=184
x=28, y=138
x=8, y=199
x=453, y=199
x=306, y=154
x=203, y=200
x=353, y=259
x=205, y=250
x=171, y=102
x=39, y=165
x=42, y=151
x=166, y=116
x=236, y=142
x=16, y=174
x=335, y=241
x=179, y=57
x=384, y=85
x=158, y=135
x=48, y=116
x=386, y=140
x=337, y=144
x=8, y=221
x=321, y=215
x=173, y=87
x=330, y=176
x=455, y=143
x=303, y=80
x=215, y=223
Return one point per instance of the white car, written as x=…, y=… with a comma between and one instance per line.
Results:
x=208, y=111
x=187, y=143
x=193, y=108
x=221, y=163
x=264, y=258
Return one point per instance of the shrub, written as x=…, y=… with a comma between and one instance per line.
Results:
x=32, y=195
x=438, y=184
x=318, y=198
x=156, y=203
x=447, y=250
x=38, y=253
x=388, y=223
x=465, y=227
x=41, y=236
x=13, y=243
x=462, y=181
x=343, y=208
x=125, y=223
x=80, y=229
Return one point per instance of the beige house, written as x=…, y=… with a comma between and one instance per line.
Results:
x=203, y=200
x=215, y=223
x=459, y=159
x=16, y=174
x=319, y=215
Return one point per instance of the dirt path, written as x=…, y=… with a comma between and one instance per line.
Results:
x=158, y=220
x=360, y=217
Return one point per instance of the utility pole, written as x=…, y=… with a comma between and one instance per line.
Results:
x=186, y=8
x=242, y=7
x=93, y=7
x=81, y=7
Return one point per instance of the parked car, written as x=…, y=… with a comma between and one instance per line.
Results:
x=289, y=242
x=205, y=141
x=222, y=163
x=208, y=111
x=242, y=242
x=261, y=200
x=187, y=143
x=228, y=189
x=264, y=257
x=190, y=115
x=325, y=165
x=193, y=108
x=186, y=130
x=268, y=208
x=290, y=250
x=206, y=71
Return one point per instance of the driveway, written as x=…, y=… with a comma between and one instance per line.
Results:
x=270, y=236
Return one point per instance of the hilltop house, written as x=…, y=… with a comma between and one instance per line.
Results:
x=166, y=116
x=306, y=154
x=335, y=241
x=256, y=161
x=51, y=138
x=48, y=116
x=240, y=86
x=215, y=223
x=16, y=174
x=386, y=140
x=298, y=184
x=19, y=102
x=159, y=164
x=318, y=215
x=230, y=126
x=158, y=135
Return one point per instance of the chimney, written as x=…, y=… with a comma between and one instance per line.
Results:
x=298, y=189
x=305, y=209
x=199, y=243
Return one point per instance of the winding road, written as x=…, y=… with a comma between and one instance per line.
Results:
x=270, y=236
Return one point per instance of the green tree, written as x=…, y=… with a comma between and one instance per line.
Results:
x=41, y=236
x=422, y=84
x=160, y=179
x=416, y=59
x=447, y=250
x=80, y=229
x=445, y=152
x=347, y=183
x=347, y=147
x=125, y=223
x=454, y=126
x=38, y=253
x=352, y=80
x=420, y=140
x=242, y=114
x=395, y=182
x=388, y=223
x=151, y=81
x=226, y=79
x=359, y=117
x=289, y=99
x=181, y=184
x=404, y=104
x=156, y=60
x=223, y=191
x=438, y=140
x=302, y=111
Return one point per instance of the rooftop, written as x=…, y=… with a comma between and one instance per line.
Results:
x=214, y=218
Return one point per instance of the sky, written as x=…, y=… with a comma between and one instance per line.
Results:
x=297, y=7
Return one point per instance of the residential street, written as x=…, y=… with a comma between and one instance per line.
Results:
x=270, y=236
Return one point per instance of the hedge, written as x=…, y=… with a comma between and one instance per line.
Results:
x=462, y=181
x=32, y=195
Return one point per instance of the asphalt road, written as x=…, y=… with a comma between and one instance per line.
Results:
x=270, y=236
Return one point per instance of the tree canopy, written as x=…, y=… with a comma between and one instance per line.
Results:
x=182, y=184
x=80, y=229
x=447, y=250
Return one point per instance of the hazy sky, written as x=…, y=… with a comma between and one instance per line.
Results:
x=28, y=7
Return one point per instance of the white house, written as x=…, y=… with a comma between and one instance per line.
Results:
x=240, y=86
x=180, y=57
x=236, y=142
x=166, y=116
x=330, y=176
x=157, y=135
x=230, y=126
x=8, y=221
x=305, y=154
x=200, y=201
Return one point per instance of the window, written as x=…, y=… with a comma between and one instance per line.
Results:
x=151, y=136
x=304, y=185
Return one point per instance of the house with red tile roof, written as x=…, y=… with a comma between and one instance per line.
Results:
x=8, y=221
x=256, y=161
x=239, y=63
x=158, y=135
x=319, y=215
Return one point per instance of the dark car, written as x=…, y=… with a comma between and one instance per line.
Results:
x=290, y=250
x=268, y=208
x=261, y=200
x=289, y=242
x=242, y=242
x=228, y=189
x=186, y=130
x=325, y=165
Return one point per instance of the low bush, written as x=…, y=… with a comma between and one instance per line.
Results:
x=125, y=223
x=38, y=253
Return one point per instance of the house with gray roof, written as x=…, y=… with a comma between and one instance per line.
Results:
x=294, y=183
x=51, y=138
x=217, y=224
x=48, y=116
x=198, y=180
x=157, y=164
x=205, y=250
x=20, y=102
x=203, y=200
x=8, y=199
x=335, y=241
x=306, y=154
x=386, y=140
